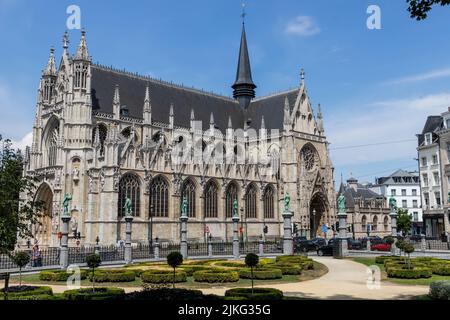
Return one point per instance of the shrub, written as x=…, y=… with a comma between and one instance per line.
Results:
x=165, y=294
x=27, y=292
x=261, y=274
x=113, y=276
x=307, y=264
x=258, y=293
x=201, y=262
x=416, y=273
x=289, y=269
x=174, y=259
x=99, y=294
x=440, y=290
x=21, y=259
x=59, y=275
x=163, y=276
x=191, y=269
x=212, y=276
x=291, y=259
x=93, y=261
x=383, y=259
x=137, y=272
x=231, y=264
x=442, y=269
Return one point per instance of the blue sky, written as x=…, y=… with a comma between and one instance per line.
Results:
x=374, y=85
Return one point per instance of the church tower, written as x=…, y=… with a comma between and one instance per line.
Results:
x=243, y=87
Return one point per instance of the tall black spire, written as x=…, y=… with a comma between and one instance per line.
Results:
x=244, y=88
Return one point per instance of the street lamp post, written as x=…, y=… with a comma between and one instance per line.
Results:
x=151, y=225
x=314, y=229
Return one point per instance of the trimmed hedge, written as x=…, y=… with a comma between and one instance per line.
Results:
x=440, y=290
x=59, y=275
x=307, y=264
x=99, y=294
x=291, y=259
x=289, y=269
x=32, y=293
x=113, y=276
x=442, y=269
x=261, y=274
x=212, y=276
x=383, y=259
x=258, y=293
x=200, y=262
x=190, y=269
x=416, y=273
x=166, y=294
x=231, y=264
x=163, y=276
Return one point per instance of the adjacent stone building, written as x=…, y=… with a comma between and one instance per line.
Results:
x=434, y=168
x=366, y=210
x=103, y=135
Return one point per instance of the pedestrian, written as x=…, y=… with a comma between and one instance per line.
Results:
x=36, y=257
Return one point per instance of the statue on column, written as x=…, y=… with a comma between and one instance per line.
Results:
x=127, y=207
x=393, y=204
x=66, y=201
x=184, y=207
x=287, y=200
x=341, y=203
x=235, y=208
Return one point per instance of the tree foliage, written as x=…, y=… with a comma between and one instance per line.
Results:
x=419, y=8
x=93, y=261
x=174, y=259
x=404, y=221
x=15, y=216
x=21, y=258
x=251, y=261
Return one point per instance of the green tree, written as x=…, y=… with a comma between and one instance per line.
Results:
x=93, y=261
x=404, y=221
x=174, y=259
x=251, y=261
x=419, y=8
x=15, y=216
x=390, y=240
x=408, y=248
x=400, y=244
x=21, y=258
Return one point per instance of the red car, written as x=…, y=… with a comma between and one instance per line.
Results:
x=381, y=247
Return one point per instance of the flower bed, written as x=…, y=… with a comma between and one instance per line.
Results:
x=59, y=275
x=258, y=293
x=163, y=276
x=98, y=294
x=212, y=276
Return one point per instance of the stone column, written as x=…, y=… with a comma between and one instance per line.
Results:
x=236, y=237
x=156, y=249
x=261, y=247
x=393, y=216
x=184, y=245
x=423, y=243
x=343, y=248
x=128, y=249
x=288, y=247
x=64, y=250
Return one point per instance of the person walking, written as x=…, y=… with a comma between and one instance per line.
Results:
x=36, y=256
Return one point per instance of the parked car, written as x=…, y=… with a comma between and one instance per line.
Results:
x=327, y=250
x=381, y=247
x=354, y=244
x=303, y=245
x=373, y=240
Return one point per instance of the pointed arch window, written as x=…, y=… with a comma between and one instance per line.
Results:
x=250, y=202
x=363, y=223
x=268, y=200
x=129, y=187
x=374, y=223
x=230, y=195
x=210, y=200
x=188, y=191
x=52, y=145
x=159, y=197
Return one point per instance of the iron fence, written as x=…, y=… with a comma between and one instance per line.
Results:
x=273, y=247
x=45, y=257
x=167, y=248
x=142, y=251
x=249, y=247
x=222, y=248
x=199, y=249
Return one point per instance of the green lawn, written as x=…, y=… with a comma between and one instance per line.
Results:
x=319, y=270
x=384, y=277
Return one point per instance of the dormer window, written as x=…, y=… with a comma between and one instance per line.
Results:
x=428, y=138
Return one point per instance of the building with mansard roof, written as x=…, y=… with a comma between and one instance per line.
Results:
x=104, y=135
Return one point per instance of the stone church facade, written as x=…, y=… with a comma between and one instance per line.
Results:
x=103, y=135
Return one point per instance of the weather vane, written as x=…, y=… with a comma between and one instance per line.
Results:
x=243, y=12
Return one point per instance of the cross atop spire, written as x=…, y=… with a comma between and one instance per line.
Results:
x=302, y=76
x=243, y=14
x=65, y=41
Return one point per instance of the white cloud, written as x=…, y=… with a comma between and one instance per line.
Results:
x=302, y=26
x=27, y=140
x=380, y=122
x=430, y=75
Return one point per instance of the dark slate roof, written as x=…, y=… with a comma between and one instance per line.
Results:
x=432, y=123
x=272, y=108
x=163, y=94
x=397, y=174
x=360, y=192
